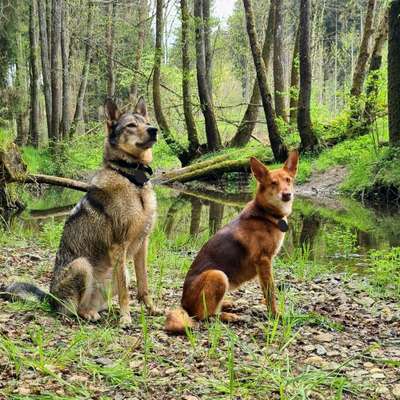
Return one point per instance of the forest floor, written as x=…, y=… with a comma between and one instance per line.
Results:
x=335, y=340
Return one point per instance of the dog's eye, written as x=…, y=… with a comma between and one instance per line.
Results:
x=131, y=125
x=274, y=183
x=288, y=180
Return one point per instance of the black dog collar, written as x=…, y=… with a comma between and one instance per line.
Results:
x=283, y=225
x=137, y=173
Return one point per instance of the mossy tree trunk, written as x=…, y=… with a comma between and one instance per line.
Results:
x=249, y=120
x=186, y=92
x=279, y=149
x=394, y=73
x=177, y=148
x=309, y=141
x=212, y=132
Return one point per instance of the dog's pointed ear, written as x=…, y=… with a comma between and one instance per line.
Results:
x=111, y=111
x=260, y=171
x=141, y=108
x=292, y=163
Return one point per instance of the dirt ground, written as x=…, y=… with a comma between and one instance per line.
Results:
x=335, y=332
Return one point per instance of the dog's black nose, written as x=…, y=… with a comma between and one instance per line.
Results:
x=152, y=132
x=286, y=196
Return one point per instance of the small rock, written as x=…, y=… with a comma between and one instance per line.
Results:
x=315, y=361
x=396, y=391
x=309, y=348
x=170, y=371
x=368, y=365
x=365, y=301
x=378, y=375
x=320, y=350
x=380, y=389
x=333, y=353
x=189, y=397
x=103, y=361
x=324, y=337
x=386, y=314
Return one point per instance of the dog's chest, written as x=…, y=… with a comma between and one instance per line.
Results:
x=138, y=211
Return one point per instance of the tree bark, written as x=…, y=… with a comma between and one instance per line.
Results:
x=143, y=14
x=363, y=55
x=279, y=149
x=54, y=134
x=394, y=74
x=110, y=48
x=294, y=80
x=216, y=214
x=207, y=45
x=195, y=216
x=45, y=58
x=20, y=106
x=372, y=88
x=78, y=115
x=178, y=150
x=186, y=92
x=212, y=133
x=48, y=6
x=248, y=122
x=66, y=99
x=309, y=141
x=279, y=71
x=34, y=76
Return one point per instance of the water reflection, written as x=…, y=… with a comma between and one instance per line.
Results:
x=341, y=231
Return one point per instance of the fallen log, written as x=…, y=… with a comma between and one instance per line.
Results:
x=52, y=180
x=204, y=170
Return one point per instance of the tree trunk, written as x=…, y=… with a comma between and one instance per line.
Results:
x=294, y=80
x=65, y=71
x=309, y=141
x=45, y=57
x=20, y=105
x=186, y=92
x=78, y=115
x=34, y=75
x=177, y=149
x=249, y=120
x=363, y=55
x=394, y=73
x=212, y=133
x=143, y=14
x=195, y=216
x=372, y=88
x=112, y=5
x=48, y=22
x=54, y=134
x=279, y=149
x=279, y=72
x=216, y=214
x=207, y=45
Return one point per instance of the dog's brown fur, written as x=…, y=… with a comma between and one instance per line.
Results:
x=110, y=225
x=240, y=251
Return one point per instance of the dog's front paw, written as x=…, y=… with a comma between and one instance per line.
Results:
x=154, y=311
x=89, y=315
x=125, y=320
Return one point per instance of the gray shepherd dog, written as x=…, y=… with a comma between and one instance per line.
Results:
x=110, y=225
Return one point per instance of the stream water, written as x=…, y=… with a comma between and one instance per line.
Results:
x=339, y=232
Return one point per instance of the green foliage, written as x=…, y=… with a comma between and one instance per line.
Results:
x=384, y=272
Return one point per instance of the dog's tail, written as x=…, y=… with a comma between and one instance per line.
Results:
x=178, y=320
x=23, y=291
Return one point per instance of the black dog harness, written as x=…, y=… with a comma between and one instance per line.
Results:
x=138, y=174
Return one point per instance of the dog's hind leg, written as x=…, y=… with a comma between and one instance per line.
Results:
x=206, y=294
x=75, y=288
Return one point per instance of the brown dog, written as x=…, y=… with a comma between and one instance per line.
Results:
x=242, y=250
